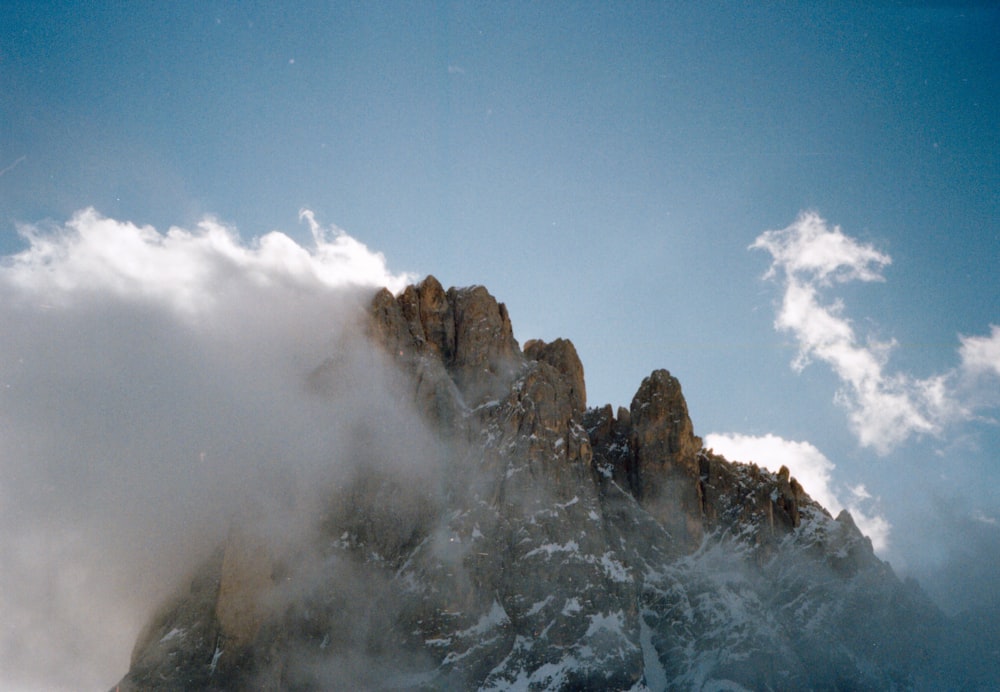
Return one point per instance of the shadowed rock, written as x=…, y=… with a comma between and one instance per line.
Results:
x=537, y=545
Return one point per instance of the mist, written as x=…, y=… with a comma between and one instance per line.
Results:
x=165, y=393
x=154, y=388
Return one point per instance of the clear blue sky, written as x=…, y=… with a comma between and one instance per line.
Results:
x=602, y=168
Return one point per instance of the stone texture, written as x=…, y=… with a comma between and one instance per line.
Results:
x=549, y=546
x=662, y=434
x=486, y=354
x=464, y=330
x=436, y=317
x=245, y=578
x=561, y=354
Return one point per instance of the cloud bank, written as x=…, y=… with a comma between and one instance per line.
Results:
x=152, y=387
x=814, y=471
x=188, y=271
x=810, y=258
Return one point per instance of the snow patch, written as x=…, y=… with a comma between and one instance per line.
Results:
x=550, y=548
x=497, y=617
x=653, y=670
x=610, y=622
x=572, y=502
x=537, y=607
x=615, y=570
x=175, y=632
x=215, y=658
x=549, y=676
x=572, y=606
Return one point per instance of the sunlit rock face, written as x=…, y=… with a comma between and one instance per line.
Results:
x=507, y=537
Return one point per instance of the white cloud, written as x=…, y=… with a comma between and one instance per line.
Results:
x=809, y=465
x=860, y=492
x=811, y=248
x=343, y=260
x=884, y=409
x=981, y=354
x=152, y=386
x=813, y=470
x=186, y=269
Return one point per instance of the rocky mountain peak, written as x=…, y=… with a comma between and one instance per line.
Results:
x=540, y=544
x=561, y=354
x=662, y=432
x=464, y=329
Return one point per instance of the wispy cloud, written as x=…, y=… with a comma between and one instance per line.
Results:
x=981, y=354
x=814, y=471
x=810, y=248
x=7, y=169
x=983, y=518
x=884, y=408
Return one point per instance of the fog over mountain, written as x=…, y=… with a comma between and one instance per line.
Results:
x=153, y=387
x=252, y=465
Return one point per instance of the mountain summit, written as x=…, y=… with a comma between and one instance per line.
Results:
x=489, y=531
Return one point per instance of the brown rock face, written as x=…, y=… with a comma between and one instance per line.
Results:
x=561, y=354
x=662, y=433
x=387, y=325
x=665, y=452
x=429, y=318
x=465, y=330
x=486, y=353
x=460, y=345
x=434, y=311
x=530, y=535
x=651, y=450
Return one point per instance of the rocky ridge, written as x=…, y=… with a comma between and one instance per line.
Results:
x=560, y=548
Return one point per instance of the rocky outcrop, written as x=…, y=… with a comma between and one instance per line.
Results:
x=662, y=433
x=544, y=546
x=665, y=457
x=466, y=330
x=561, y=354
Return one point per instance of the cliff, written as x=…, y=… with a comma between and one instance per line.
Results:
x=547, y=545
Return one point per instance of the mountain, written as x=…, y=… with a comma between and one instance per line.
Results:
x=505, y=536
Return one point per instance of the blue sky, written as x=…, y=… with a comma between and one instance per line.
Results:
x=604, y=169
